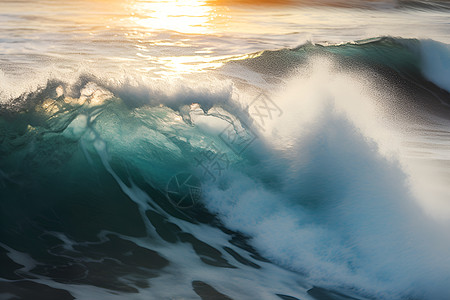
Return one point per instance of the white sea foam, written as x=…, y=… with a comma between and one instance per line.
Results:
x=335, y=199
x=333, y=196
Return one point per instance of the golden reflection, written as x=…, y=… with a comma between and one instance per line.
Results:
x=184, y=16
x=195, y=64
x=187, y=17
x=189, y=64
x=253, y=2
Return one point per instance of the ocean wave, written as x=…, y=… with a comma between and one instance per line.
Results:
x=418, y=61
x=323, y=191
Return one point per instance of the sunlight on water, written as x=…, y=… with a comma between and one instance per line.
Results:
x=169, y=38
x=224, y=149
x=191, y=16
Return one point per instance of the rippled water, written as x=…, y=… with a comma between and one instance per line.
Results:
x=224, y=149
x=169, y=38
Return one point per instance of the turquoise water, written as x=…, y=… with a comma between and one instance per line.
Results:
x=224, y=150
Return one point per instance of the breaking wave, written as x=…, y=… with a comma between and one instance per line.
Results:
x=309, y=179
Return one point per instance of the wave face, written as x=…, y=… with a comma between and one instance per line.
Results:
x=312, y=173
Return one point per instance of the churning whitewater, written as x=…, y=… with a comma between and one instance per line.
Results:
x=314, y=172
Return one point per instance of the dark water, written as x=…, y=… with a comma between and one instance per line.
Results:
x=313, y=171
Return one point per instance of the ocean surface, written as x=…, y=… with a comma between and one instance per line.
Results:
x=224, y=149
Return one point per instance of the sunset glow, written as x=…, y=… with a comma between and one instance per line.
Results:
x=224, y=149
x=190, y=16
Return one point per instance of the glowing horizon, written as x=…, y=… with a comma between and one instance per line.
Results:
x=190, y=17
